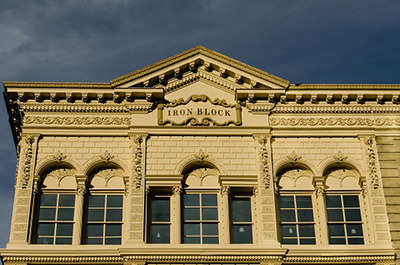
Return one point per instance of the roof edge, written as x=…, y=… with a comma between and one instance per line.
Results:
x=24, y=84
x=344, y=86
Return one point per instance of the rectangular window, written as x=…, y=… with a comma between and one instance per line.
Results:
x=159, y=219
x=56, y=219
x=344, y=220
x=200, y=219
x=241, y=230
x=296, y=220
x=104, y=220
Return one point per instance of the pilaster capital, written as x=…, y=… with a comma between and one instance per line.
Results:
x=177, y=190
x=225, y=190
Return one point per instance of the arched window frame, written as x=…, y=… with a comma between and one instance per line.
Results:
x=57, y=182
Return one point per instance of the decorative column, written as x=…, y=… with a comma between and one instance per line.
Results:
x=225, y=223
x=78, y=217
x=137, y=188
x=22, y=209
x=176, y=215
x=321, y=222
x=266, y=198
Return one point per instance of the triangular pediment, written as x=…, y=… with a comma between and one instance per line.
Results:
x=202, y=64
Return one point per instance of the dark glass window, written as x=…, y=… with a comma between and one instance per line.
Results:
x=200, y=219
x=344, y=220
x=56, y=219
x=242, y=226
x=104, y=220
x=159, y=219
x=296, y=220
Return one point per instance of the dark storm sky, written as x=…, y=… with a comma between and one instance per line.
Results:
x=303, y=41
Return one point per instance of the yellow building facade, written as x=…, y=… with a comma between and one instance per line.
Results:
x=202, y=159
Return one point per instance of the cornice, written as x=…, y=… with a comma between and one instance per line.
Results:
x=16, y=84
x=86, y=107
x=203, y=51
x=344, y=86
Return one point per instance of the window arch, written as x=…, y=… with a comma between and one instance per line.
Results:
x=296, y=206
x=55, y=207
x=343, y=206
x=104, y=207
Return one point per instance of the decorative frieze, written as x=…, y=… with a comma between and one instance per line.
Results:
x=57, y=120
x=371, y=122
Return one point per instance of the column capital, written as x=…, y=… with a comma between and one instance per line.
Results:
x=225, y=190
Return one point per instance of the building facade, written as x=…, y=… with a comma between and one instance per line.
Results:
x=202, y=159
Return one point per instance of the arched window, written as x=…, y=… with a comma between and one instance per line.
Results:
x=296, y=207
x=343, y=206
x=104, y=208
x=200, y=214
x=55, y=207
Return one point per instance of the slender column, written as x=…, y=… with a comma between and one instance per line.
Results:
x=225, y=224
x=176, y=215
x=78, y=217
x=321, y=223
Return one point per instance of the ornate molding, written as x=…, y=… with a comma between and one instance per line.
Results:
x=108, y=107
x=341, y=173
x=263, y=141
x=56, y=120
x=61, y=173
x=81, y=190
x=320, y=191
x=335, y=121
x=294, y=157
x=59, y=156
x=340, y=157
x=194, y=121
x=138, y=140
x=106, y=157
x=109, y=173
x=225, y=190
x=177, y=190
x=327, y=108
x=201, y=156
x=372, y=164
x=30, y=139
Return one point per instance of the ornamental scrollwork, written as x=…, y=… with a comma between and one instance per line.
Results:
x=59, y=156
x=28, y=161
x=264, y=160
x=138, y=139
x=225, y=190
x=335, y=121
x=177, y=190
x=294, y=157
x=340, y=157
x=77, y=120
x=201, y=156
x=107, y=157
x=372, y=167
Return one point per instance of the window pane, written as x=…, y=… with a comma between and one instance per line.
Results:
x=159, y=234
x=65, y=214
x=352, y=214
x=191, y=214
x=47, y=214
x=191, y=240
x=64, y=241
x=336, y=230
x=350, y=201
x=64, y=229
x=94, y=241
x=286, y=202
x=354, y=230
x=242, y=234
x=356, y=241
x=160, y=209
x=210, y=214
x=287, y=216
x=48, y=200
x=210, y=229
x=46, y=230
x=289, y=241
x=45, y=240
x=191, y=200
x=96, y=200
x=209, y=200
x=67, y=200
x=114, y=200
x=191, y=229
x=333, y=201
x=337, y=241
x=303, y=202
x=307, y=241
x=114, y=215
x=210, y=240
x=94, y=230
x=241, y=210
x=306, y=231
x=113, y=241
x=305, y=215
x=113, y=230
x=96, y=215
x=288, y=231
x=335, y=215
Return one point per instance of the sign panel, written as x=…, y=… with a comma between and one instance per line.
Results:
x=199, y=110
